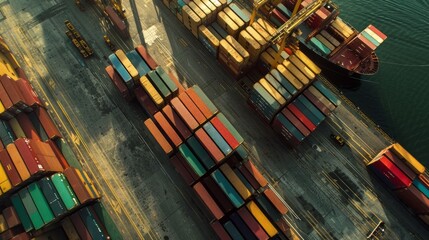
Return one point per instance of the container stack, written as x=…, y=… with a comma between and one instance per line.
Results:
x=233, y=56
x=117, y=22
x=405, y=176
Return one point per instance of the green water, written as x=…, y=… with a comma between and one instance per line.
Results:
x=397, y=97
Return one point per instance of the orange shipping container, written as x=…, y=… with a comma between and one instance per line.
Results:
x=162, y=141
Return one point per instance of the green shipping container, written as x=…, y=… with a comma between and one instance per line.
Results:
x=192, y=160
x=67, y=152
x=159, y=84
x=166, y=79
x=231, y=128
x=41, y=203
x=22, y=213
x=31, y=209
x=105, y=219
x=205, y=99
x=65, y=191
x=52, y=196
x=227, y=188
x=201, y=153
x=91, y=224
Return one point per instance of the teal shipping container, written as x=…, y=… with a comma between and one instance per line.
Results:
x=370, y=38
x=320, y=46
x=91, y=224
x=21, y=212
x=107, y=220
x=41, y=203
x=283, y=81
x=241, y=12
x=232, y=231
x=420, y=186
x=65, y=191
x=217, y=138
x=159, y=84
x=315, y=120
x=192, y=160
x=120, y=69
x=52, y=196
x=311, y=107
x=6, y=134
x=201, y=153
x=67, y=153
x=166, y=79
x=278, y=87
x=38, y=126
x=268, y=208
x=138, y=62
x=31, y=209
x=227, y=188
x=327, y=93
x=290, y=127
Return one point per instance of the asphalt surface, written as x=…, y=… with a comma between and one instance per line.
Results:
x=330, y=193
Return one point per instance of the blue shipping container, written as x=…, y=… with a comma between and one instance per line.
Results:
x=419, y=185
x=290, y=127
x=327, y=93
x=232, y=231
x=242, y=227
x=238, y=10
x=138, y=62
x=217, y=138
x=123, y=73
x=91, y=224
x=227, y=188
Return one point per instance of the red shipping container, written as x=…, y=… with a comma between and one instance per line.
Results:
x=13, y=93
x=255, y=173
x=414, y=199
x=378, y=32
x=31, y=161
x=284, y=227
x=117, y=22
x=192, y=108
x=288, y=136
x=7, y=102
x=275, y=200
x=167, y=129
x=401, y=165
x=184, y=113
x=45, y=155
x=218, y=194
x=77, y=185
x=182, y=170
x=220, y=231
x=21, y=73
x=162, y=141
x=22, y=236
x=145, y=101
x=296, y=122
x=9, y=168
x=28, y=92
x=252, y=223
x=27, y=126
x=301, y=117
x=82, y=231
x=177, y=122
x=11, y=217
x=208, y=200
x=313, y=99
x=147, y=58
x=58, y=154
x=117, y=81
x=48, y=125
x=199, y=102
x=390, y=173
x=226, y=134
x=209, y=145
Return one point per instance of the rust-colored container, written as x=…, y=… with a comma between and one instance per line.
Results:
x=147, y=58
x=275, y=200
x=167, y=129
x=324, y=109
x=17, y=160
x=209, y=145
x=401, y=165
x=296, y=122
x=7, y=103
x=27, y=126
x=117, y=22
x=9, y=168
x=11, y=217
x=162, y=141
x=192, y=108
x=46, y=156
x=77, y=185
x=145, y=101
x=182, y=170
x=199, y=102
x=414, y=199
x=27, y=91
x=177, y=122
x=21, y=73
x=208, y=200
x=31, y=161
x=183, y=112
x=13, y=92
x=255, y=173
x=82, y=231
x=58, y=154
x=47, y=123
x=117, y=81
x=220, y=231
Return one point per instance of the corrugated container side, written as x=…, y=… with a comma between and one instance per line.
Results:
x=217, y=138
x=159, y=137
x=31, y=209
x=21, y=212
x=320, y=105
x=389, y=173
x=208, y=200
x=209, y=145
x=414, y=199
x=52, y=196
x=168, y=130
x=405, y=156
x=227, y=188
x=232, y=230
x=220, y=231
x=145, y=55
x=296, y=122
x=145, y=101
x=41, y=203
x=401, y=165
x=220, y=197
x=64, y=190
x=38, y=126
x=261, y=218
x=27, y=126
x=328, y=93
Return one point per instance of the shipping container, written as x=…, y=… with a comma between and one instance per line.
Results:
x=327, y=93
x=59, y=155
x=284, y=227
x=117, y=22
x=3, y=224
x=368, y=36
x=11, y=217
x=272, y=91
x=65, y=191
x=31, y=209
x=253, y=225
x=208, y=200
x=182, y=170
x=316, y=102
x=235, y=181
x=421, y=187
x=240, y=11
x=227, y=23
x=283, y=81
x=256, y=36
x=376, y=31
x=269, y=210
x=321, y=98
x=138, y=62
x=192, y=160
x=227, y=188
x=290, y=77
x=118, y=82
x=276, y=201
x=10, y=168
x=286, y=125
x=261, y=218
x=230, y=127
x=17, y=160
x=301, y=66
x=209, y=145
x=184, y=113
x=167, y=129
x=389, y=173
x=330, y=38
x=32, y=162
x=220, y=231
x=315, y=120
x=192, y=108
x=120, y=69
x=234, y=17
x=81, y=229
x=10, y=109
x=77, y=185
x=296, y=72
x=48, y=125
x=208, y=39
x=424, y=180
x=259, y=179
x=94, y=228
x=159, y=85
x=401, y=165
x=204, y=98
x=88, y=184
x=414, y=199
x=268, y=104
x=319, y=46
x=52, y=196
x=159, y=137
x=295, y=121
x=41, y=203
x=104, y=217
x=16, y=128
x=30, y=96
x=151, y=91
x=217, y=30
x=325, y=42
x=177, y=122
x=277, y=86
x=240, y=175
x=311, y=107
x=232, y=230
x=45, y=155
x=7, y=135
x=199, y=103
x=27, y=126
x=13, y=93
x=145, y=101
x=242, y=227
x=200, y=152
x=225, y=133
x=127, y=64
x=21, y=212
x=217, y=138
x=167, y=80
x=220, y=197
x=146, y=57
x=38, y=126
x=405, y=156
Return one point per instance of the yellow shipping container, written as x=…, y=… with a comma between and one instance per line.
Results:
x=404, y=155
x=273, y=53
x=217, y=4
x=344, y=26
x=267, y=59
x=234, y=17
x=273, y=92
x=151, y=91
x=325, y=42
x=4, y=181
x=257, y=36
x=2, y=109
x=261, y=31
x=237, y=46
x=226, y=49
x=16, y=128
x=308, y=62
x=250, y=44
x=205, y=9
x=3, y=224
x=289, y=76
x=227, y=24
x=212, y=40
x=127, y=64
x=185, y=16
x=267, y=26
x=262, y=219
x=198, y=11
x=296, y=72
x=17, y=160
x=235, y=181
x=301, y=66
x=213, y=10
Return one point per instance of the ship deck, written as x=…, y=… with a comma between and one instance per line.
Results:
x=330, y=193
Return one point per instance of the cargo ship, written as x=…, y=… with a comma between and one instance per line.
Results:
x=334, y=44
